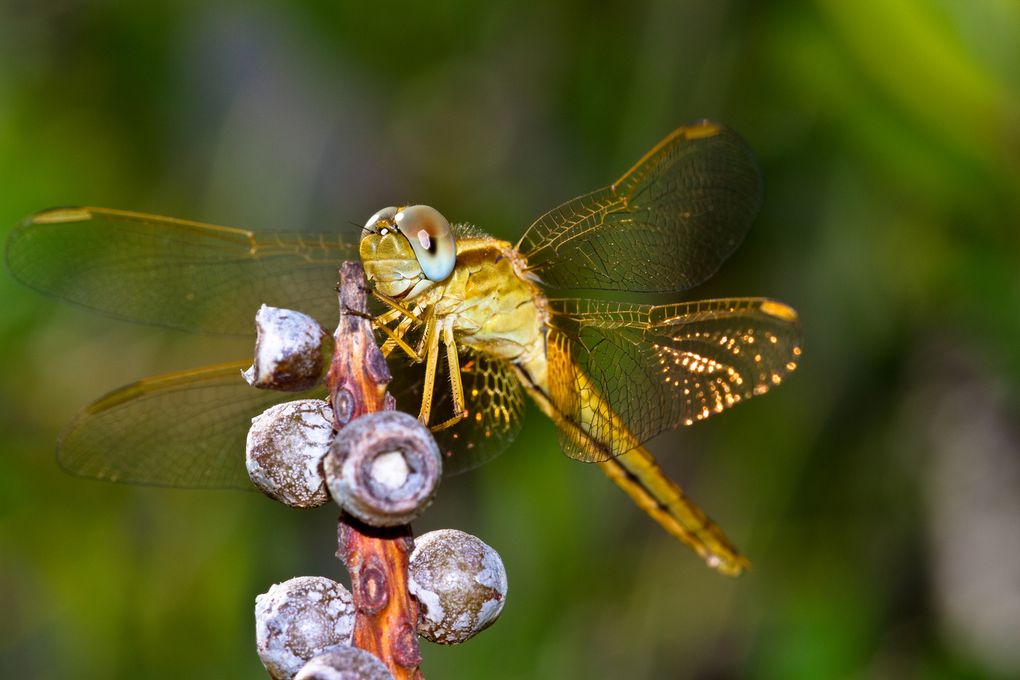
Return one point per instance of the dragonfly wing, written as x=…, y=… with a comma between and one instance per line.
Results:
x=494, y=400
x=666, y=225
x=183, y=429
x=624, y=372
x=188, y=429
x=175, y=273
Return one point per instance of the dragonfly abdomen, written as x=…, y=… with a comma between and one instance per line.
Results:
x=572, y=404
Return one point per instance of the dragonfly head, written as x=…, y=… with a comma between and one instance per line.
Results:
x=407, y=250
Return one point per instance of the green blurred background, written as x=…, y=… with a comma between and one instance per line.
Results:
x=877, y=492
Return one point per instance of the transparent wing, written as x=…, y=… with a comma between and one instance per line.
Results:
x=666, y=225
x=625, y=372
x=182, y=429
x=175, y=273
x=188, y=429
x=495, y=404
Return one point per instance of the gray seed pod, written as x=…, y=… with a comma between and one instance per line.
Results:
x=300, y=619
x=345, y=663
x=460, y=583
x=383, y=468
x=285, y=448
x=291, y=350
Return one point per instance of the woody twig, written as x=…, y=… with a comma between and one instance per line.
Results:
x=375, y=461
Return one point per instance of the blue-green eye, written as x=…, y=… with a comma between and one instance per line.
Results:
x=431, y=238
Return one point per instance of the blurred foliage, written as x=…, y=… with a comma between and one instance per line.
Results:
x=873, y=492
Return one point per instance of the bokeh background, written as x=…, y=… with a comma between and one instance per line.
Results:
x=877, y=492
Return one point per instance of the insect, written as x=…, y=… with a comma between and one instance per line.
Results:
x=456, y=307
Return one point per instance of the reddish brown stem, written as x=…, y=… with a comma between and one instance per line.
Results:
x=386, y=614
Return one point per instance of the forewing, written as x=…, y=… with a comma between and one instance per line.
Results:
x=666, y=225
x=624, y=373
x=494, y=400
x=176, y=273
x=183, y=429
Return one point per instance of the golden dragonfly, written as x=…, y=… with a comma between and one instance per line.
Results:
x=611, y=375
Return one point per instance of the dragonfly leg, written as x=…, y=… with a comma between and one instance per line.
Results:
x=396, y=306
x=386, y=317
x=431, y=337
x=453, y=363
x=395, y=338
x=418, y=353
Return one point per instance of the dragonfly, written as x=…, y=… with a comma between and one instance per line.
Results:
x=456, y=308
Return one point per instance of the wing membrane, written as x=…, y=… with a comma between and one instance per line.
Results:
x=188, y=429
x=494, y=400
x=182, y=429
x=666, y=225
x=175, y=273
x=626, y=372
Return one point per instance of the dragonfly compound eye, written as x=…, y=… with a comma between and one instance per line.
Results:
x=431, y=238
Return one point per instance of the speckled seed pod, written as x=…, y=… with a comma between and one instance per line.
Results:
x=383, y=468
x=345, y=663
x=291, y=351
x=300, y=619
x=285, y=448
x=460, y=583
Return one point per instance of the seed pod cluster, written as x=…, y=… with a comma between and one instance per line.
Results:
x=382, y=468
x=300, y=619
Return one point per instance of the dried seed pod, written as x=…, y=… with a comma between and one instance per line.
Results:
x=285, y=448
x=345, y=663
x=291, y=351
x=300, y=619
x=383, y=468
x=460, y=583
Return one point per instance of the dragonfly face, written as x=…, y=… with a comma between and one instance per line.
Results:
x=405, y=250
x=611, y=375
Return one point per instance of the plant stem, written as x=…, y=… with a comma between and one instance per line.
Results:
x=376, y=558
